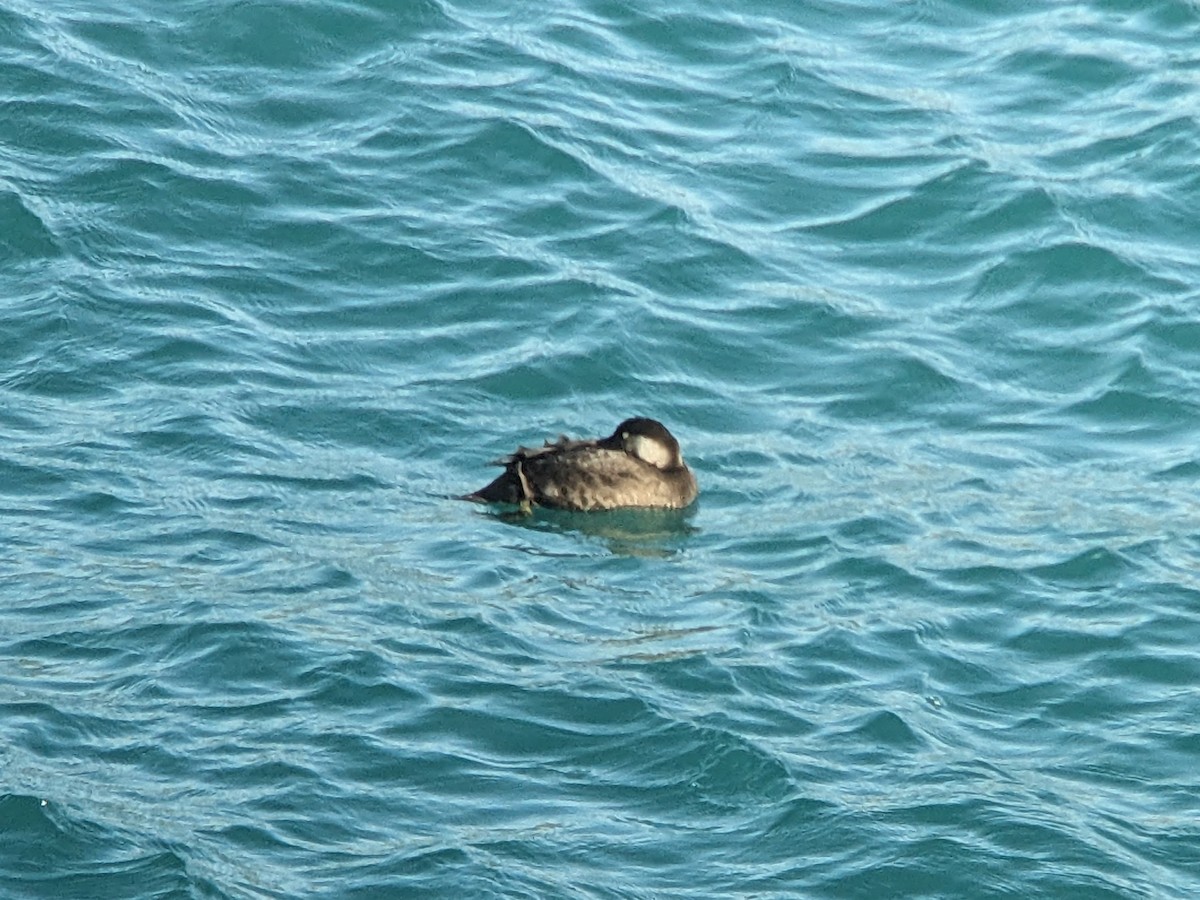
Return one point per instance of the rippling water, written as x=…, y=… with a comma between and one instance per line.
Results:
x=915, y=284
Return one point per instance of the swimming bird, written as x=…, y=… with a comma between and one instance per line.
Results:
x=638, y=465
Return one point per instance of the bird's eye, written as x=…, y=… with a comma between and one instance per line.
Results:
x=624, y=435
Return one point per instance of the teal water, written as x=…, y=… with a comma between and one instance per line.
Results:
x=915, y=284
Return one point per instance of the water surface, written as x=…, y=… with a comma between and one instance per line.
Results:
x=915, y=286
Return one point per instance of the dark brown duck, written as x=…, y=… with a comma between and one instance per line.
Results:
x=639, y=464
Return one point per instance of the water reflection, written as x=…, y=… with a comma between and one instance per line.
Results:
x=627, y=532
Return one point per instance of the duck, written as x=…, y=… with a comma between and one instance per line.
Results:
x=638, y=465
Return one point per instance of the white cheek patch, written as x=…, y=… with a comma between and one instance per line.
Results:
x=649, y=450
